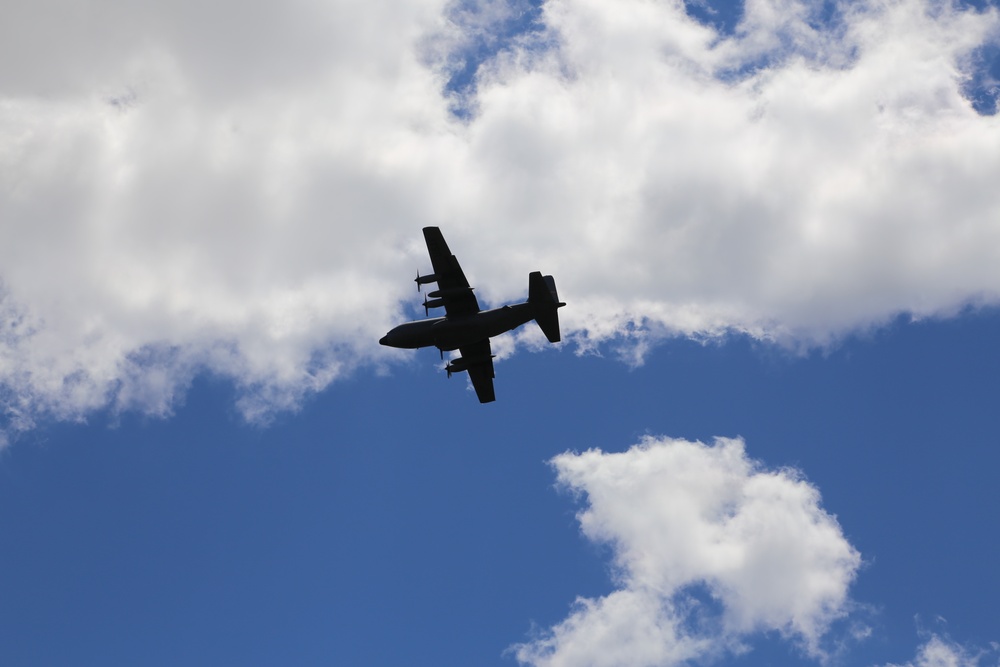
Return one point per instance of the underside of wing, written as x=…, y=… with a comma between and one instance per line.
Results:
x=478, y=361
x=453, y=292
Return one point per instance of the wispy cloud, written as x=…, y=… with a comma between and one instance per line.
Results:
x=942, y=652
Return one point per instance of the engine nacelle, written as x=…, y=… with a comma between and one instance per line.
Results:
x=423, y=280
x=432, y=303
x=451, y=291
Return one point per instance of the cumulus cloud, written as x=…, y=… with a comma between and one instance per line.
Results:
x=201, y=199
x=184, y=193
x=683, y=517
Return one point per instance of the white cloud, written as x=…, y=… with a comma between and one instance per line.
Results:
x=938, y=652
x=821, y=194
x=680, y=516
x=182, y=192
x=202, y=200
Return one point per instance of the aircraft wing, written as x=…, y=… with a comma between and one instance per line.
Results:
x=481, y=370
x=453, y=288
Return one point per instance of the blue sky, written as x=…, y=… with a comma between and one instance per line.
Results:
x=395, y=519
x=769, y=436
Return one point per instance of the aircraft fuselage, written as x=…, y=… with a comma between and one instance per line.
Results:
x=451, y=333
x=465, y=327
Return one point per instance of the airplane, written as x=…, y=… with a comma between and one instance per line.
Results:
x=465, y=327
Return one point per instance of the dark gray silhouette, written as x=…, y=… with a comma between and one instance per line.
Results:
x=465, y=327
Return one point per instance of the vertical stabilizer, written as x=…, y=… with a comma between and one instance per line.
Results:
x=543, y=297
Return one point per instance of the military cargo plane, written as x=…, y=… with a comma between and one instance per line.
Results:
x=465, y=327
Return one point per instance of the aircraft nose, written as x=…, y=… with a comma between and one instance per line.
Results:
x=384, y=340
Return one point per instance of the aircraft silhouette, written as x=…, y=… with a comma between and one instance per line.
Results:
x=465, y=327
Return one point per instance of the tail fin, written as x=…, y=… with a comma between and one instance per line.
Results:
x=543, y=296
